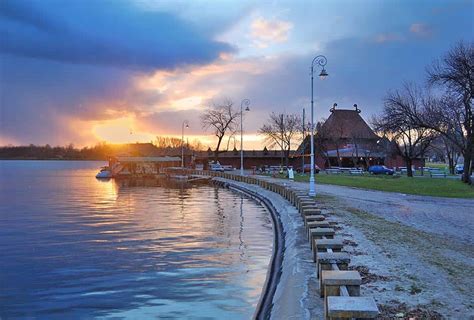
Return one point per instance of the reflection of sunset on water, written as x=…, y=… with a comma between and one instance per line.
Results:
x=191, y=248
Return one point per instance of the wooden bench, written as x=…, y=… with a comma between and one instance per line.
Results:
x=324, y=245
x=336, y=282
x=437, y=174
x=309, y=210
x=303, y=201
x=319, y=233
x=326, y=260
x=313, y=217
x=341, y=290
x=316, y=224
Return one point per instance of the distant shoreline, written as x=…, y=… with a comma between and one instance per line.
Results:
x=50, y=159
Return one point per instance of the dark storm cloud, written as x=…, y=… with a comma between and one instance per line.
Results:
x=87, y=32
x=78, y=59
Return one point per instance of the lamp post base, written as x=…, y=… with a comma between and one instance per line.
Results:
x=312, y=191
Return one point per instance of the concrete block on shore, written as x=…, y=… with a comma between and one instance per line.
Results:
x=334, y=257
x=326, y=261
x=309, y=210
x=318, y=233
x=313, y=217
x=341, y=278
x=316, y=224
x=351, y=307
x=332, y=282
x=322, y=245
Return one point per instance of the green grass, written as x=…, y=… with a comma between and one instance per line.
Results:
x=436, y=187
x=439, y=165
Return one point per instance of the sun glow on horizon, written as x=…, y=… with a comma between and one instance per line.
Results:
x=121, y=130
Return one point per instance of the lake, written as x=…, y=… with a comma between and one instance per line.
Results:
x=74, y=247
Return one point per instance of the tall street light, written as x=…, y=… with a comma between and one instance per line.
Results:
x=245, y=102
x=185, y=123
x=321, y=61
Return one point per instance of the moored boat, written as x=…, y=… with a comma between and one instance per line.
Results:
x=104, y=173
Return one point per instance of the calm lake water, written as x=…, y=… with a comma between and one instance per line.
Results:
x=73, y=247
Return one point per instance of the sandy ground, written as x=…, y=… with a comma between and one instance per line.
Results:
x=416, y=253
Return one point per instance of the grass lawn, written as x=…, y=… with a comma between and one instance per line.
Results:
x=437, y=187
x=441, y=166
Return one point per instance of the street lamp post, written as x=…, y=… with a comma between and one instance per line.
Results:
x=245, y=102
x=185, y=123
x=321, y=61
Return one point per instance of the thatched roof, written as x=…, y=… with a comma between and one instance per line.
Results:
x=347, y=124
x=343, y=125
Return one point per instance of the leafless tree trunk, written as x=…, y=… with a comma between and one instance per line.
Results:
x=411, y=139
x=337, y=140
x=280, y=130
x=221, y=119
x=456, y=74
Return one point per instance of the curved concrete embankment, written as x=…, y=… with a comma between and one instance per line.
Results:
x=291, y=275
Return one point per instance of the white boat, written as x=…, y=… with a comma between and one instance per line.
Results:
x=104, y=173
x=216, y=167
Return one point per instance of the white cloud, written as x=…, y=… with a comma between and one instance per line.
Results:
x=388, y=37
x=421, y=30
x=266, y=32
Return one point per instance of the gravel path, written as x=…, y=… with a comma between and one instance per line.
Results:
x=444, y=216
x=449, y=217
x=418, y=251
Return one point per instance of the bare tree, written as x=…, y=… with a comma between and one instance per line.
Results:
x=445, y=150
x=197, y=145
x=281, y=130
x=455, y=73
x=222, y=119
x=410, y=139
x=335, y=139
x=167, y=142
x=321, y=139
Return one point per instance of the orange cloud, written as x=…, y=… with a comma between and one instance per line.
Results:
x=176, y=96
x=193, y=87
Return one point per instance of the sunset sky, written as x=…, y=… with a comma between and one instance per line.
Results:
x=120, y=71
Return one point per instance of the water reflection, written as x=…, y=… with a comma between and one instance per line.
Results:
x=76, y=247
